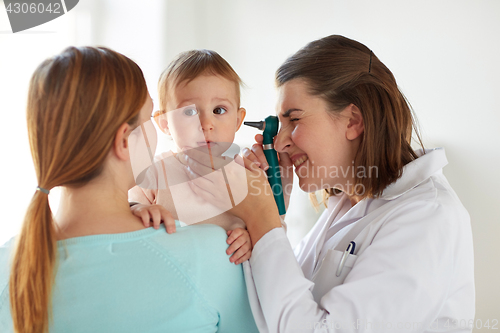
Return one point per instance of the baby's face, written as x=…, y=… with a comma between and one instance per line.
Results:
x=204, y=112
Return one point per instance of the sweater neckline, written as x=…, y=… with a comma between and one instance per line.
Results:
x=123, y=236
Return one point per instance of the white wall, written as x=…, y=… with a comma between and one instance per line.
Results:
x=445, y=55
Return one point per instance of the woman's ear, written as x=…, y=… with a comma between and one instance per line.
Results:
x=120, y=145
x=355, y=124
x=241, y=113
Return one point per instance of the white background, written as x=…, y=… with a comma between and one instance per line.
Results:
x=445, y=56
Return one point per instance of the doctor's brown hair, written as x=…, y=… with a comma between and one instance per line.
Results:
x=343, y=72
x=77, y=100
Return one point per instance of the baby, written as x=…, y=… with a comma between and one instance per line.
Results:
x=200, y=109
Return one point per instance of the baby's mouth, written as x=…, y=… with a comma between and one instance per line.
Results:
x=209, y=144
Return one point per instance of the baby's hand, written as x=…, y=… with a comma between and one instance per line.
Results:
x=240, y=242
x=156, y=214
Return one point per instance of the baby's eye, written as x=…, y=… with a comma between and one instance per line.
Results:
x=220, y=110
x=190, y=112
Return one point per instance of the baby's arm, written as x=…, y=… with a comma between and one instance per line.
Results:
x=156, y=214
x=239, y=241
x=139, y=195
x=141, y=205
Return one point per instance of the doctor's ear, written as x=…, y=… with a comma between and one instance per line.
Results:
x=241, y=113
x=355, y=124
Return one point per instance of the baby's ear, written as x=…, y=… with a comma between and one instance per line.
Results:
x=161, y=120
x=163, y=125
x=241, y=113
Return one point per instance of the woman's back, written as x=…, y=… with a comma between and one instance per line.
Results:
x=143, y=281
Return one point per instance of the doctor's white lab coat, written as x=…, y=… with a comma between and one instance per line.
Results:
x=411, y=270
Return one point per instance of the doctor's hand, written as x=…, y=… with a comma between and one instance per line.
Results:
x=240, y=187
x=239, y=239
x=156, y=214
x=257, y=155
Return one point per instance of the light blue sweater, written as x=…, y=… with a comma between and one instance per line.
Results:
x=143, y=281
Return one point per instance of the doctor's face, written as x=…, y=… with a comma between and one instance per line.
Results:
x=314, y=138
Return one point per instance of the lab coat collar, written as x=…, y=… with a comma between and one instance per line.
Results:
x=416, y=172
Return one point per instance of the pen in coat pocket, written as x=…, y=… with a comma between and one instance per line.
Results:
x=349, y=250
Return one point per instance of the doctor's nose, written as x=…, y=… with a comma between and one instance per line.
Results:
x=282, y=140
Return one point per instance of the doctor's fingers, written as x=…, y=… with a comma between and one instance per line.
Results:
x=258, y=152
x=286, y=169
x=256, y=155
x=256, y=178
x=250, y=166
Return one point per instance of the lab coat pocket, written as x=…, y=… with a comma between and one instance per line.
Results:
x=326, y=277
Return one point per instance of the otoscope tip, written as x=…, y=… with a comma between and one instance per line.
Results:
x=256, y=124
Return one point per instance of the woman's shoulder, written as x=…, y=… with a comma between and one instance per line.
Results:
x=202, y=234
x=199, y=250
x=5, y=255
x=220, y=282
x=190, y=240
x=135, y=273
x=197, y=244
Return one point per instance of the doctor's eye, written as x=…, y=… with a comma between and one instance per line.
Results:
x=190, y=112
x=220, y=110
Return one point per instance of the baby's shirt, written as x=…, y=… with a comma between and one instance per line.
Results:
x=166, y=183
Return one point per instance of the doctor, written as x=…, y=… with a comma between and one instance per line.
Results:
x=393, y=250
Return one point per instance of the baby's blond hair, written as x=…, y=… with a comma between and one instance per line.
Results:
x=188, y=65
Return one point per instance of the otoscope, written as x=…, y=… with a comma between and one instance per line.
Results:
x=270, y=128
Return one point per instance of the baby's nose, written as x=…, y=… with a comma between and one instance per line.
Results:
x=206, y=122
